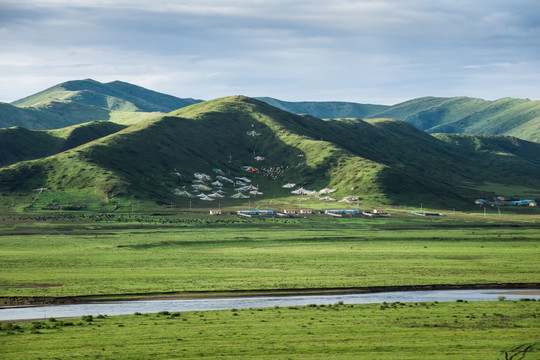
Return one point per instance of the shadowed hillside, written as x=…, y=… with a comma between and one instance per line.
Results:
x=18, y=144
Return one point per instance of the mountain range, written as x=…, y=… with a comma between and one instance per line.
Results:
x=154, y=147
x=508, y=116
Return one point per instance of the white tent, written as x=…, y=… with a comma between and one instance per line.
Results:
x=327, y=198
x=183, y=193
x=223, y=178
x=326, y=191
x=244, y=179
x=202, y=176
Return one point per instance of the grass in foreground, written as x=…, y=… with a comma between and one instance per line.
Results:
x=459, y=330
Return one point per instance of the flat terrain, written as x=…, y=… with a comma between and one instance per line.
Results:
x=117, y=255
x=457, y=330
x=50, y=258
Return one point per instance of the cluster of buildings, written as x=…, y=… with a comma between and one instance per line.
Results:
x=501, y=201
x=306, y=211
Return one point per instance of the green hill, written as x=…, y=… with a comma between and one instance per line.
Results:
x=514, y=117
x=81, y=101
x=18, y=144
x=326, y=109
x=382, y=161
x=116, y=95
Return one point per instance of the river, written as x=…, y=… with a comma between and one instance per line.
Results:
x=154, y=306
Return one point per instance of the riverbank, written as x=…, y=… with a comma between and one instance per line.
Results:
x=392, y=330
x=8, y=302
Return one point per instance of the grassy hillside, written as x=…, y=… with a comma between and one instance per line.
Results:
x=326, y=109
x=381, y=160
x=18, y=144
x=116, y=95
x=514, y=117
x=81, y=101
x=52, y=115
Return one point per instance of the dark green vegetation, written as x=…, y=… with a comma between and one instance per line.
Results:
x=460, y=330
x=508, y=116
x=19, y=144
x=122, y=255
x=80, y=101
x=382, y=161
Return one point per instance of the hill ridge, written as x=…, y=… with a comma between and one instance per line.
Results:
x=380, y=160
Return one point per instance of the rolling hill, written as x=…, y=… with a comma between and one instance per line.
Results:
x=169, y=158
x=326, y=109
x=508, y=116
x=81, y=101
x=19, y=144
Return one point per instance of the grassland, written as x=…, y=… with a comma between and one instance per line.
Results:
x=458, y=330
x=145, y=254
x=55, y=258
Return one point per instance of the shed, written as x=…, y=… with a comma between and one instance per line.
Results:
x=306, y=211
x=215, y=212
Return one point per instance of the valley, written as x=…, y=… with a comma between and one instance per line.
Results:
x=112, y=200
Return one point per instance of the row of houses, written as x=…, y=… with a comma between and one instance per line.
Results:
x=306, y=211
x=501, y=201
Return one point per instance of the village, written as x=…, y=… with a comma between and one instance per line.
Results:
x=291, y=213
x=501, y=201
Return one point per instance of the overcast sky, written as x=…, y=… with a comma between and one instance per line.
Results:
x=365, y=51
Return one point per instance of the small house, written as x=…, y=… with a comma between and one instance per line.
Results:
x=306, y=211
x=341, y=211
x=289, y=211
x=215, y=212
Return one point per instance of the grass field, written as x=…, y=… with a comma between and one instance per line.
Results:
x=106, y=256
x=133, y=254
x=458, y=330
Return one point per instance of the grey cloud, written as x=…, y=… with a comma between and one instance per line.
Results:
x=333, y=50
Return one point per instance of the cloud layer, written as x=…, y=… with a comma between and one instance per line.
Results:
x=353, y=50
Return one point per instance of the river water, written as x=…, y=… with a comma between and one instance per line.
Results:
x=154, y=306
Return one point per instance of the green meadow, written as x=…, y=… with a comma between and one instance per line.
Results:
x=54, y=258
x=102, y=255
x=456, y=330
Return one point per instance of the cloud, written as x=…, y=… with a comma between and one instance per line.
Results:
x=295, y=50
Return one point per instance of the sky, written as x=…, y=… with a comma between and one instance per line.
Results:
x=365, y=51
